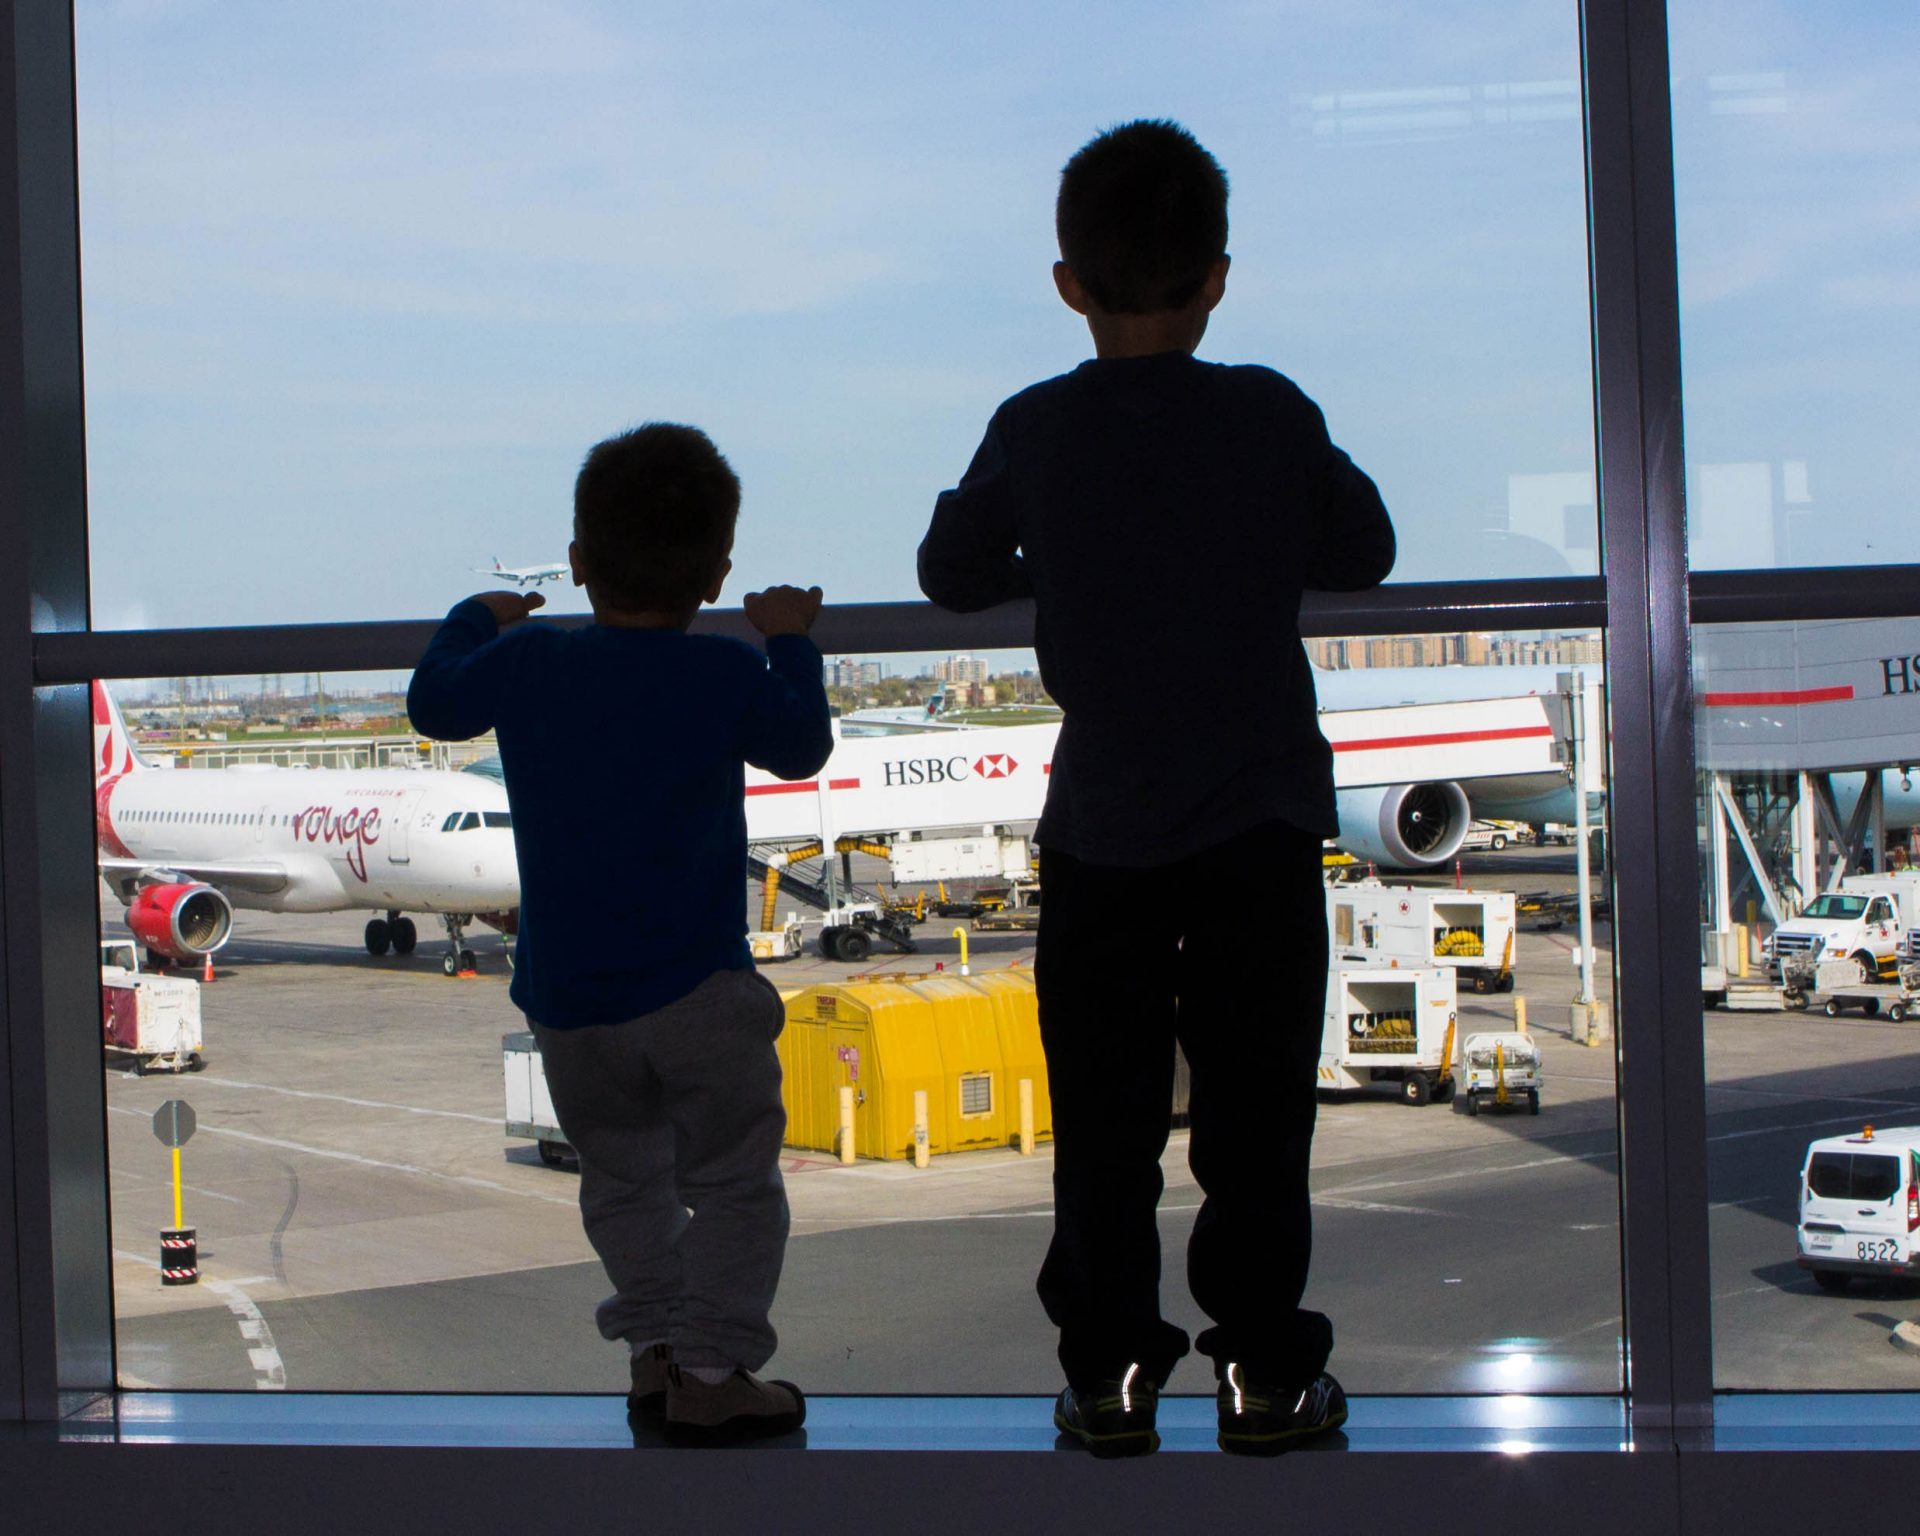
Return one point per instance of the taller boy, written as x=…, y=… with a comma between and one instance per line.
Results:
x=1166, y=515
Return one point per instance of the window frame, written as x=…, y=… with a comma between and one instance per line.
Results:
x=56, y=1324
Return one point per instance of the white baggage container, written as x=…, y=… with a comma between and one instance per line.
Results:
x=925, y=860
x=1386, y=1024
x=1471, y=932
x=153, y=1021
x=529, y=1104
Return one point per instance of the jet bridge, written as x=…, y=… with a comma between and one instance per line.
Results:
x=1808, y=741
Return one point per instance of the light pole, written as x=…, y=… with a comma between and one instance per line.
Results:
x=1573, y=691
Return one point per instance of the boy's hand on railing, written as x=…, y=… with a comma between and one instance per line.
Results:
x=509, y=607
x=782, y=610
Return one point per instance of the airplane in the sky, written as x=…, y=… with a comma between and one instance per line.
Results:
x=182, y=849
x=523, y=575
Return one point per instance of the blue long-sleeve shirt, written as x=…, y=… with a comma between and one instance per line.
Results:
x=1165, y=514
x=623, y=751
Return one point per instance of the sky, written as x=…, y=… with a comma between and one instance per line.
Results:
x=363, y=282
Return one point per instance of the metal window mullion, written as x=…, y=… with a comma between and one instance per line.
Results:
x=57, y=1244
x=1636, y=341
x=1557, y=603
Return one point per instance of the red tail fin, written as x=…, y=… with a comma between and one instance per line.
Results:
x=113, y=753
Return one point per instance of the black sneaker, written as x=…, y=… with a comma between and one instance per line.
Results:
x=1114, y=1418
x=743, y=1407
x=647, y=1402
x=1254, y=1421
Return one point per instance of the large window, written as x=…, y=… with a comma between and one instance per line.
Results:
x=359, y=289
x=361, y=1172
x=362, y=286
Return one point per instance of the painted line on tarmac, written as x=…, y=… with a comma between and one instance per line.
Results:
x=341, y=1098
x=467, y=1179
x=846, y=1223
x=269, y=1370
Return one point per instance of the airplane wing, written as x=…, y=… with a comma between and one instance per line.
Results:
x=261, y=876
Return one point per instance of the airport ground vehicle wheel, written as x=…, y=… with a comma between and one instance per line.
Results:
x=1832, y=1282
x=1869, y=967
x=1499, y=841
x=403, y=934
x=557, y=1154
x=1506, y=982
x=1832, y=1010
x=196, y=1062
x=830, y=943
x=855, y=946
x=469, y=961
x=1870, y=1007
x=1473, y=1103
x=450, y=964
x=1896, y=1013
x=1443, y=1092
x=379, y=936
x=1533, y=1101
x=1479, y=983
x=1416, y=1090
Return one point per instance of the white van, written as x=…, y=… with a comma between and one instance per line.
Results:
x=1860, y=1206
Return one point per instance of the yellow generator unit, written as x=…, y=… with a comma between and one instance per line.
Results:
x=964, y=1042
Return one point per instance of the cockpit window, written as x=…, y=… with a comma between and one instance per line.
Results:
x=452, y=823
x=500, y=819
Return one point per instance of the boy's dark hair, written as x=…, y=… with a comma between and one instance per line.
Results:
x=1142, y=216
x=653, y=515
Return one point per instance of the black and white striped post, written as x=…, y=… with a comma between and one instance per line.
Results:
x=173, y=1124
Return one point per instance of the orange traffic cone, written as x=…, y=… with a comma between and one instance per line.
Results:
x=206, y=973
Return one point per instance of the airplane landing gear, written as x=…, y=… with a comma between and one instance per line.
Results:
x=391, y=932
x=458, y=957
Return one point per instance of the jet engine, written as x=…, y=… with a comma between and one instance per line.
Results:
x=1404, y=826
x=183, y=921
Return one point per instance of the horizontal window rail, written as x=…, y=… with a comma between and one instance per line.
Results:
x=1412, y=608
x=1405, y=608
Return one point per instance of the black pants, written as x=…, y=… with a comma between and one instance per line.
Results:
x=1225, y=951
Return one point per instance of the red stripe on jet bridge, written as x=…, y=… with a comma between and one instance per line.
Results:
x=1790, y=697
x=1443, y=738
x=807, y=788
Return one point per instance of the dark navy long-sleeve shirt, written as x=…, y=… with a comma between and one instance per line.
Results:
x=1165, y=514
x=623, y=753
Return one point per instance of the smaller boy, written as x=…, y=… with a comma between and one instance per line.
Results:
x=1166, y=514
x=622, y=745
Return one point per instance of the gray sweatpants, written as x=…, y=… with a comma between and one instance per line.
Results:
x=677, y=1119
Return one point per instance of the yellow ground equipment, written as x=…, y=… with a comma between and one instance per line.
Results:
x=966, y=1042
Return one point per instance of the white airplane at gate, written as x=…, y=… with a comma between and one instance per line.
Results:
x=1410, y=777
x=181, y=849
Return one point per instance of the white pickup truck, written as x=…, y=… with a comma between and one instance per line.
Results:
x=1865, y=921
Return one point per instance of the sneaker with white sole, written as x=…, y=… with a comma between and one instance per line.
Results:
x=743, y=1407
x=1259, y=1420
x=647, y=1401
x=1112, y=1418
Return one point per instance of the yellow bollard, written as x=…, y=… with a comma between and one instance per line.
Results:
x=1026, y=1117
x=1740, y=940
x=920, y=1128
x=846, y=1125
x=961, y=935
x=1520, y=1014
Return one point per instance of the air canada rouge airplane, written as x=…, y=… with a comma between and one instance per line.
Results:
x=182, y=849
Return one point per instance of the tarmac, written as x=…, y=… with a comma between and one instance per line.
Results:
x=365, y=1223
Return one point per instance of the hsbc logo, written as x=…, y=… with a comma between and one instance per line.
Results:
x=946, y=770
